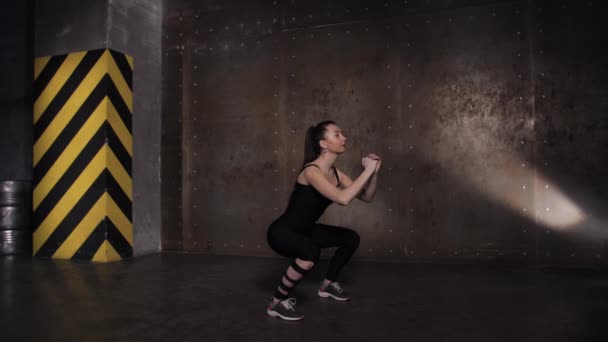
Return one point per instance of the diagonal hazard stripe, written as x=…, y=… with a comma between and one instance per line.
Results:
x=120, y=221
x=106, y=253
x=118, y=241
x=39, y=64
x=81, y=233
x=69, y=153
x=119, y=173
x=69, y=177
x=71, y=220
x=123, y=65
x=118, y=79
x=119, y=196
x=123, y=134
x=70, y=199
x=121, y=107
x=119, y=150
x=67, y=112
x=48, y=149
x=46, y=74
x=88, y=249
x=59, y=79
x=56, y=105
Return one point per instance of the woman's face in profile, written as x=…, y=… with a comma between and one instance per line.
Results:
x=335, y=140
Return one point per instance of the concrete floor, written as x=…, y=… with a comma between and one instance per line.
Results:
x=177, y=297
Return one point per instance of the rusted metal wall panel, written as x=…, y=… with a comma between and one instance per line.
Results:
x=571, y=93
x=446, y=92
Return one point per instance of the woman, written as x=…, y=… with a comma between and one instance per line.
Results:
x=295, y=234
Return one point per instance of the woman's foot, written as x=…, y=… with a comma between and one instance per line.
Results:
x=284, y=310
x=333, y=290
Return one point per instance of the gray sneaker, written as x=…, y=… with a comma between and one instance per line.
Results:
x=334, y=290
x=284, y=310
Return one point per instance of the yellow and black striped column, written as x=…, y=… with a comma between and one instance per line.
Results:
x=82, y=156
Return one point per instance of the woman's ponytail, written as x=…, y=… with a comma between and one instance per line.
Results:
x=314, y=134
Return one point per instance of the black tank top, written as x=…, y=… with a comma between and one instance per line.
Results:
x=306, y=204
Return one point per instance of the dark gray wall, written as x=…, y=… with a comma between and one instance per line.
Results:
x=132, y=27
x=16, y=58
x=66, y=26
x=490, y=117
x=136, y=29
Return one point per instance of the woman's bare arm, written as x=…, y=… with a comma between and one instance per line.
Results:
x=315, y=177
x=368, y=191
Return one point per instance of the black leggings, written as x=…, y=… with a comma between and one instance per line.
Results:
x=306, y=244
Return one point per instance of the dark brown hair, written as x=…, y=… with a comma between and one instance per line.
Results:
x=314, y=134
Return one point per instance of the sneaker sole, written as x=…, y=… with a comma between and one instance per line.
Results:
x=276, y=314
x=329, y=295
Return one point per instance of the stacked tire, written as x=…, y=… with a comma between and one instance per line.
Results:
x=15, y=218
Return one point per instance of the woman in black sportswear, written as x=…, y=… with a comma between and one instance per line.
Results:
x=295, y=234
